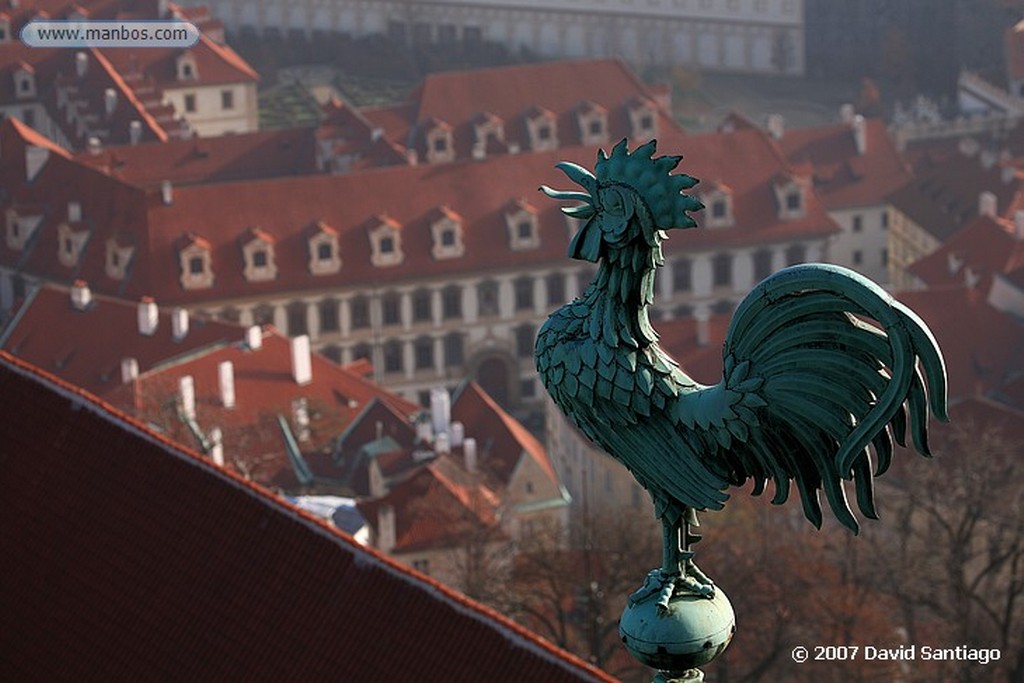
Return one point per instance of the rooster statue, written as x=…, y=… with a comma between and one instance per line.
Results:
x=809, y=387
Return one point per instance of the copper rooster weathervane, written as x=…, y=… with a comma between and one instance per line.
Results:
x=810, y=393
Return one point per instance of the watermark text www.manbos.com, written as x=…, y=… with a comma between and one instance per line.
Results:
x=905, y=653
x=101, y=33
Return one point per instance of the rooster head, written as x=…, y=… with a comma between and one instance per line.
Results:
x=630, y=197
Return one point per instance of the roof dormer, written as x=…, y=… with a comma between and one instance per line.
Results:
x=72, y=237
x=488, y=133
x=118, y=258
x=324, y=252
x=258, y=255
x=20, y=226
x=185, y=67
x=25, y=81
x=438, y=137
x=196, y=263
x=643, y=119
x=523, y=226
x=5, y=28
x=593, y=122
x=541, y=127
x=790, y=196
x=385, y=241
x=446, y=230
x=717, y=197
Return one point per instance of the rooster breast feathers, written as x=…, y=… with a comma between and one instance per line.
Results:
x=809, y=389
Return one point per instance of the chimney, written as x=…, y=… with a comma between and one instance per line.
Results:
x=74, y=212
x=179, y=323
x=81, y=64
x=300, y=419
x=35, y=159
x=860, y=134
x=187, y=392
x=149, y=316
x=1018, y=225
x=411, y=157
x=167, y=192
x=226, y=381
x=846, y=113
x=376, y=134
x=458, y=434
x=386, y=528
x=424, y=432
x=987, y=204
x=129, y=370
x=109, y=101
x=442, y=444
x=135, y=132
x=440, y=410
x=776, y=126
x=469, y=452
x=302, y=363
x=254, y=337
x=81, y=295
x=217, y=446
x=953, y=263
x=703, y=317
x=94, y=145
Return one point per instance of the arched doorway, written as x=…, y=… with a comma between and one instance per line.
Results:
x=494, y=375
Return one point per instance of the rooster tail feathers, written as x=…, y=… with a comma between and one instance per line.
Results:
x=836, y=387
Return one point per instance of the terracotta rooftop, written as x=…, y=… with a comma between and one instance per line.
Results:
x=985, y=248
x=190, y=572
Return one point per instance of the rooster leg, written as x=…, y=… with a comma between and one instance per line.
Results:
x=678, y=573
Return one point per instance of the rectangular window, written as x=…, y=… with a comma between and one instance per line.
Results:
x=329, y=316
x=190, y=103
x=451, y=303
x=424, y=353
x=387, y=245
x=195, y=266
x=721, y=270
x=858, y=257
x=682, y=276
x=858, y=223
x=422, y=311
x=227, y=99
x=524, y=294
x=392, y=309
x=324, y=252
x=359, y=310
x=454, y=350
x=259, y=259
x=487, y=298
x=556, y=289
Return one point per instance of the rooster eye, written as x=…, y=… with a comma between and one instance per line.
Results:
x=613, y=202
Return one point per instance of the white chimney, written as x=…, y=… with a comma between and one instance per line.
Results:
x=1018, y=225
x=94, y=146
x=703, y=318
x=376, y=134
x=469, y=452
x=217, y=446
x=135, y=132
x=81, y=64
x=81, y=295
x=179, y=323
x=846, y=113
x=149, y=316
x=109, y=101
x=129, y=370
x=987, y=204
x=166, y=192
x=458, y=434
x=386, y=528
x=442, y=444
x=302, y=364
x=776, y=126
x=35, y=159
x=440, y=410
x=254, y=337
x=860, y=134
x=424, y=432
x=953, y=263
x=74, y=212
x=226, y=381
x=187, y=392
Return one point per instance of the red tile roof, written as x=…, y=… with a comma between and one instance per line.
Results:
x=842, y=177
x=134, y=557
x=985, y=248
x=86, y=347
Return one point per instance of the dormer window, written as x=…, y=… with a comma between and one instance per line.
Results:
x=593, y=123
x=540, y=125
x=195, y=262
x=20, y=228
x=789, y=197
x=386, y=242
x=489, y=132
x=258, y=254
x=446, y=230
x=118, y=259
x=25, y=82
x=5, y=30
x=642, y=120
x=718, y=201
x=522, y=224
x=186, y=67
x=324, y=256
x=71, y=242
x=439, y=142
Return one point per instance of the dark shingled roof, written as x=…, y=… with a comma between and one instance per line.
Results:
x=128, y=558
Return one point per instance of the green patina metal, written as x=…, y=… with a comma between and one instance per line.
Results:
x=811, y=394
